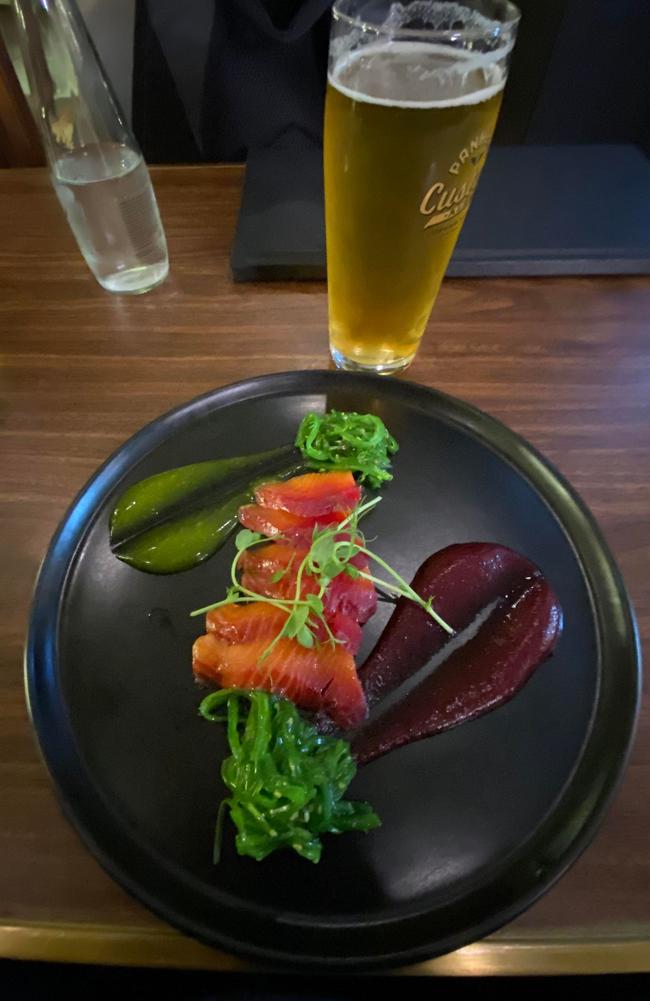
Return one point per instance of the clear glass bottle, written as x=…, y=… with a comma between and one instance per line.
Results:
x=98, y=172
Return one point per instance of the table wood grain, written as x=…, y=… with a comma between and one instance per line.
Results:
x=565, y=362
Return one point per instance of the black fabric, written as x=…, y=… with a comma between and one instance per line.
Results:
x=158, y=114
x=539, y=28
x=23, y=981
x=597, y=86
x=264, y=82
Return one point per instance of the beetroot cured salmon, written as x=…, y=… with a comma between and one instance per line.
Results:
x=311, y=495
x=322, y=678
x=262, y=566
x=354, y=597
x=274, y=522
x=244, y=646
x=246, y=623
x=343, y=628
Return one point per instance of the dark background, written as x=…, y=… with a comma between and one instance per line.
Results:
x=32, y=981
x=580, y=74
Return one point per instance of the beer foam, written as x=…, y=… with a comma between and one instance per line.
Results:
x=437, y=16
x=457, y=65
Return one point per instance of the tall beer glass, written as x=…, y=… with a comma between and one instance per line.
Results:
x=413, y=96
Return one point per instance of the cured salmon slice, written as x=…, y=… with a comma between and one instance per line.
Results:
x=351, y=596
x=311, y=495
x=245, y=623
x=274, y=522
x=320, y=679
x=344, y=628
x=272, y=570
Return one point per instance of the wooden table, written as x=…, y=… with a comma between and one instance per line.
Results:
x=566, y=362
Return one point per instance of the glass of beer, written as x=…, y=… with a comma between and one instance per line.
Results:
x=413, y=96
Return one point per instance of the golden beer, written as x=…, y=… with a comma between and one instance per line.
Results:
x=407, y=129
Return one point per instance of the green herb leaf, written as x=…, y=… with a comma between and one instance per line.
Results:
x=245, y=539
x=315, y=603
x=305, y=637
x=296, y=621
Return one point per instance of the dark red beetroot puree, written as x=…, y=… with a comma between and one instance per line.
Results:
x=518, y=635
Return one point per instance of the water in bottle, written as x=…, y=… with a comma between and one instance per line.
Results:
x=106, y=194
x=97, y=169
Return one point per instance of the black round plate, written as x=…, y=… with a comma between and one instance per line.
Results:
x=477, y=822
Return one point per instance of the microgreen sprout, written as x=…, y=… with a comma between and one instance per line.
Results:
x=330, y=553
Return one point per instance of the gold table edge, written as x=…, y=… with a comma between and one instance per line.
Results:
x=78, y=942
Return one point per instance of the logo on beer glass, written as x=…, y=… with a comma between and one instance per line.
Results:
x=447, y=201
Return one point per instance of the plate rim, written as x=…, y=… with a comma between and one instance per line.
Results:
x=491, y=433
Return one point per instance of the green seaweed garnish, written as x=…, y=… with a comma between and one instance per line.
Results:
x=344, y=440
x=286, y=781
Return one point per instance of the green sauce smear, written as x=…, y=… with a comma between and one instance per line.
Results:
x=175, y=520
